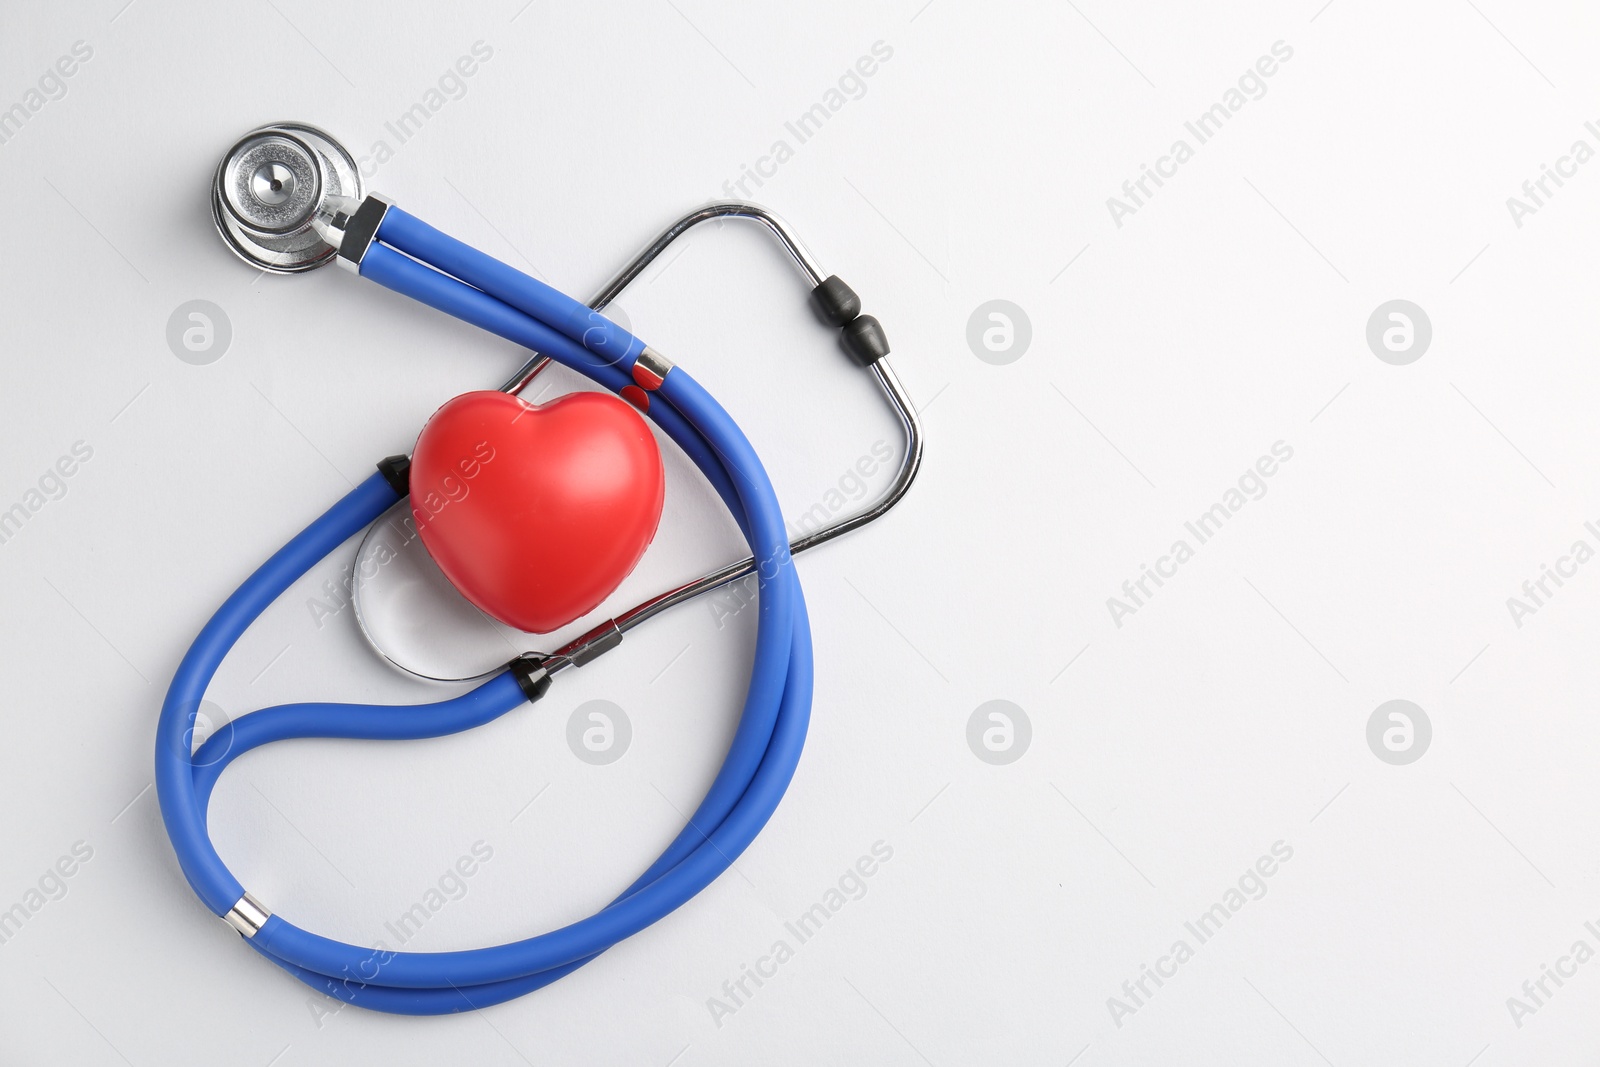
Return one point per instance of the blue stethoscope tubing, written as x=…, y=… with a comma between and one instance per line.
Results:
x=418, y=261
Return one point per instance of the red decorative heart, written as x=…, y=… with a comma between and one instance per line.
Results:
x=536, y=512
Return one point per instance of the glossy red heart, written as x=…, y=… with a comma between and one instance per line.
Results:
x=536, y=512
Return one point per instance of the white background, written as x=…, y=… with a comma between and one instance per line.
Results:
x=1168, y=353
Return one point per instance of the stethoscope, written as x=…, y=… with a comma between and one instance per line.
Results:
x=288, y=198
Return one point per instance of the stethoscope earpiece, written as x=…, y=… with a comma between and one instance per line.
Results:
x=275, y=191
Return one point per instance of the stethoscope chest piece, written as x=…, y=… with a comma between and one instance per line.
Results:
x=270, y=189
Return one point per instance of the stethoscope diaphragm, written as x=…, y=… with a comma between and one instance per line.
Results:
x=269, y=190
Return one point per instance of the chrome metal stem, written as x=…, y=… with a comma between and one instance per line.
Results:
x=608, y=635
x=718, y=209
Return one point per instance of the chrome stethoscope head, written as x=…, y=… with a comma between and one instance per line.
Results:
x=280, y=194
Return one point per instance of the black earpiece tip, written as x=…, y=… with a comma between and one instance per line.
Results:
x=864, y=339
